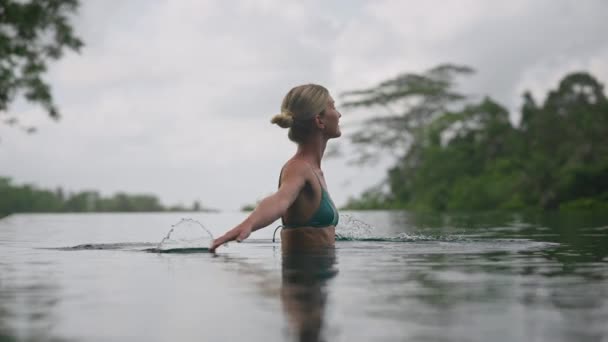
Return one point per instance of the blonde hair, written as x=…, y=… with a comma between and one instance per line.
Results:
x=299, y=108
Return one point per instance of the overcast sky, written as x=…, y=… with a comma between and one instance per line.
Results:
x=174, y=97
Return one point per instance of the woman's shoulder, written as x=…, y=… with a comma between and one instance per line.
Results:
x=297, y=167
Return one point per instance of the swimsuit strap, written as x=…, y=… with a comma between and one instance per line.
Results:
x=318, y=179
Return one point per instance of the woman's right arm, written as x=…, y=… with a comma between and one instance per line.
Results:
x=270, y=208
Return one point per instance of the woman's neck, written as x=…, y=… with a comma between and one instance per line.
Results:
x=312, y=151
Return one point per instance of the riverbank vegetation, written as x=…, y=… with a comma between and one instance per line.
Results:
x=454, y=153
x=31, y=199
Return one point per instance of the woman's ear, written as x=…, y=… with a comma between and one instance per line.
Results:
x=320, y=121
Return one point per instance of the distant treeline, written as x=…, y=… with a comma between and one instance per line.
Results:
x=463, y=155
x=30, y=199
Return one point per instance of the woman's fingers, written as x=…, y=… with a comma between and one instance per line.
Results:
x=214, y=245
x=234, y=234
x=243, y=235
x=220, y=241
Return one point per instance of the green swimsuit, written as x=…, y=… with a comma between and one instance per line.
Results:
x=326, y=214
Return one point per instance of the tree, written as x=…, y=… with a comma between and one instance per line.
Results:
x=403, y=107
x=31, y=34
x=567, y=142
x=196, y=206
x=461, y=155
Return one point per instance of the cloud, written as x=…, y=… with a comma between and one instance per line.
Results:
x=502, y=41
x=175, y=97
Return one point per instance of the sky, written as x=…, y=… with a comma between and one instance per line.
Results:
x=174, y=98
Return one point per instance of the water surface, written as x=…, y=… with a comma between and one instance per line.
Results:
x=469, y=277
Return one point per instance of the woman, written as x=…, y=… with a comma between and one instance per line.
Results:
x=302, y=201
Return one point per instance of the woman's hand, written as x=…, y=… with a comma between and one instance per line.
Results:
x=238, y=233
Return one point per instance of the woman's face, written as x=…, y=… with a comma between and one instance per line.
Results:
x=332, y=120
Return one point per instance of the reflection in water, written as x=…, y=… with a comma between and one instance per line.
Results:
x=304, y=291
x=304, y=288
x=27, y=304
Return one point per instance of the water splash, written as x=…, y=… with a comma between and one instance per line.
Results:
x=350, y=229
x=405, y=237
x=186, y=236
x=123, y=246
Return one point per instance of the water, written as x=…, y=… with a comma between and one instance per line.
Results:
x=187, y=235
x=393, y=276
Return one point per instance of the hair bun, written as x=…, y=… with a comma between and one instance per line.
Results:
x=284, y=120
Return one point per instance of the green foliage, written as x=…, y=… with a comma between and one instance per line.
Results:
x=373, y=198
x=470, y=157
x=26, y=198
x=410, y=103
x=248, y=207
x=31, y=34
x=587, y=204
